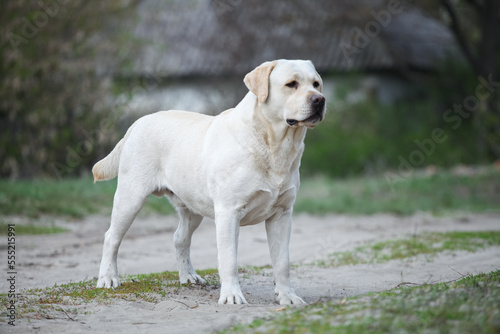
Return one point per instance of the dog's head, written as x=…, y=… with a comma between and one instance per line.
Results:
x=290, y=90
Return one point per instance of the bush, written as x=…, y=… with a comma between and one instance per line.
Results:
x=369, y=138
x=52, y=97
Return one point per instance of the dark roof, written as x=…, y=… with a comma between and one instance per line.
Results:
x=218, y=37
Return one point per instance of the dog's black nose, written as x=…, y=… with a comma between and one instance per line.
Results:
x=317, y=100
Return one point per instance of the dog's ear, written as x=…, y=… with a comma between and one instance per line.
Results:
x=257, y=81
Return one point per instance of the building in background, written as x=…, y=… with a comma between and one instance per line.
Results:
x=200, y=50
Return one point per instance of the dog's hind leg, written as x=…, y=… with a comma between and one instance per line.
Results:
x=129, y=199
x=188, y=223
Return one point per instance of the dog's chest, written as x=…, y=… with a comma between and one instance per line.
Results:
x=265, y=204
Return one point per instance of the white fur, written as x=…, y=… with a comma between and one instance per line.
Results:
x=238, y=168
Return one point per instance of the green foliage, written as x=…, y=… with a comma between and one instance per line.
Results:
x=52, y=101
x=370, y=138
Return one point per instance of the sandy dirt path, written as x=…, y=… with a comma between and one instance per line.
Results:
x=75, y=255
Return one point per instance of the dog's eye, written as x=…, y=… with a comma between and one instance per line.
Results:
x=316, y=84
x=292, y=84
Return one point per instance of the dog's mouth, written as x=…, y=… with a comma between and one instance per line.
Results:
x=310, y=122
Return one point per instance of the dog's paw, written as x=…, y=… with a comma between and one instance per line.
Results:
x=290, y=299
x=108, y=281
x=191, y=278
x=233, y=295
x=288, y=296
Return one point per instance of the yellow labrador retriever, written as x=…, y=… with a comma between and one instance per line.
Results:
x=238, y=168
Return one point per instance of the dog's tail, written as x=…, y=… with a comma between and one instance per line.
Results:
x=107, y=168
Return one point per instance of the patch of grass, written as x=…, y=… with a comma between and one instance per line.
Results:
x=246, y=271
x=75, y=198
x=427, y=244
x=440, y=193
x=31, y=229
x=471, y=304
x=70, y=197
x=148, y=287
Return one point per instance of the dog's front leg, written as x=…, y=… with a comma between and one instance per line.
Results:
x=278, y=238
x=227, y=230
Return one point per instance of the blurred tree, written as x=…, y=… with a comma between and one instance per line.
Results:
x=52, y=94
x=476, y=26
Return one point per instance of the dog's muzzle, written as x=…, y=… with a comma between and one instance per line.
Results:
x=317, y=103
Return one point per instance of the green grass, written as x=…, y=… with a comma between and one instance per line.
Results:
x=148, y=287
x=42, y=302
x=72, y=198
x=470, y=305
x=426, y=244
x=440, y=193
x=31, y=229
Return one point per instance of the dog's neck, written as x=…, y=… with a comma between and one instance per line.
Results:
x=278, y=146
